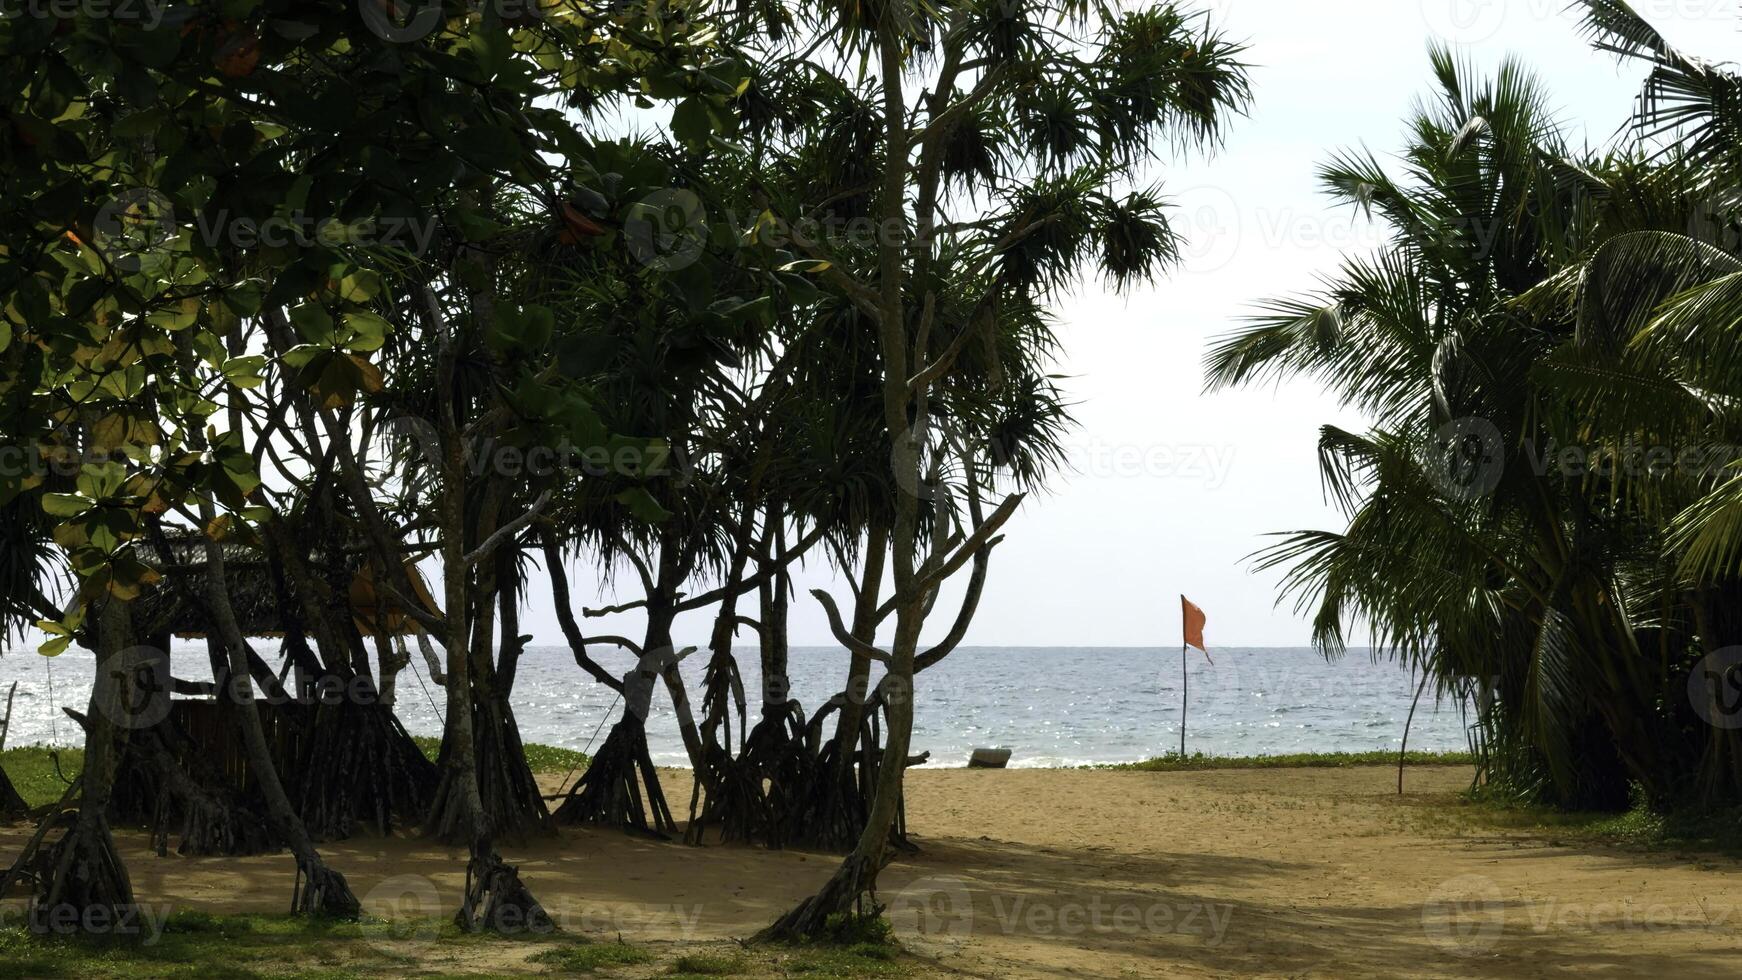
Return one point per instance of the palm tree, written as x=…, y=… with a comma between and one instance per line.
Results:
x=1507, y=320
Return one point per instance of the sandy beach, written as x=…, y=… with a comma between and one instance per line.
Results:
x=1052, y=873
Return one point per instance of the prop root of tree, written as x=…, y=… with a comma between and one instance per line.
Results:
x=750, y=798
x=610, y=791
x=160, y=791
x=77, y=878
x=513, y=804
x=322, y=891
x=361, y=766
x=729, y=795
x=497, y=900
x=852, y=889
x=827, y=809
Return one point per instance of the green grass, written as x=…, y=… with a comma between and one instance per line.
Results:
x=195, y=944
x=270, y=947
x=542, y=758
x=281, y=947
x=32, y=772
x=710, y=965
x=549, y=758
x=1639, y=827
x=589, y=957
x=1301, y=760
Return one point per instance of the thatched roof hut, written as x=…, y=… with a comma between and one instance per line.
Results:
x=259, y=591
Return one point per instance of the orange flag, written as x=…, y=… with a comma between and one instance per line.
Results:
x=1193, y=619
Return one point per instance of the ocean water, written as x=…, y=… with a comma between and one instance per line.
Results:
x=1051, y=706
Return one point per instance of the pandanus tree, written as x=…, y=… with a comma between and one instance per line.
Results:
x=675, y=328
x=1523, y=341
x=987, y=140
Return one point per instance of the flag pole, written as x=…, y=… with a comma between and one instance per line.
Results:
x=1185, y=686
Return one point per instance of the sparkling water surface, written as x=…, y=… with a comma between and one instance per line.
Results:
x=1051, y=706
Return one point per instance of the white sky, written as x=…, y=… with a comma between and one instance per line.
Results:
x=1172, y=489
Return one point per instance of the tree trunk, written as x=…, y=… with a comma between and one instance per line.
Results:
x=723, y=793
x=495, y=898
x=81, y=874
x=774, y=594
x=319, y=889
x=857, y=875
x=856, y=878
x=657, y=648
x=864, y=628
x=457, y=815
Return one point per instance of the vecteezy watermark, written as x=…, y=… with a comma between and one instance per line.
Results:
x=146, y=688
x=1464, y=21
x=132, y=224
x=1715, y=688
x=638, y=458
x=1632, y=459
x=401, y=21
x=1548, y=914
x=1468, y=916
x=1215, y=228
x=1465, y=458
x=937, y=909
x=1465, y=915
x=940, y=909
x=1210, y=225
x=1204, y=463
x=141, y=921
x=147, y=14
x=408, y=21
x=143, y=672
x=408, y=910
x=1100, y=914
x=403, y=909
x=666, y=230
x=296, y=228
x=939, y=446
x=1475, y=21
x=142, y=221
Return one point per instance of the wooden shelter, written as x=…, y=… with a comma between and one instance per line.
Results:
x=259, y=591
x=345, y=758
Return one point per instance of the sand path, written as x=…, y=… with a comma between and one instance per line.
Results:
x=1053, y=873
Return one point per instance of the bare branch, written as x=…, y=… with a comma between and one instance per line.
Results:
x=845, y=637
x=427, y=648
x=763, y=574
x=592, y=613
x=641, y=568
x=965, y=615
x=981, y=538
x=508, y=530
x=565, y=615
